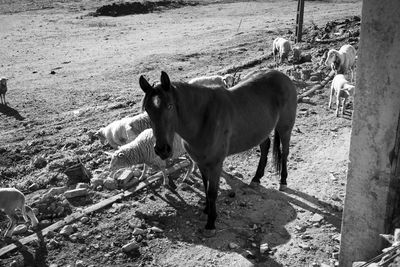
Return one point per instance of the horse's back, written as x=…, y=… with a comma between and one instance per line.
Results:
x=260, y=103
x=272, y=87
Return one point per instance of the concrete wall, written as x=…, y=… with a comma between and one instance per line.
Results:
x=375, y=119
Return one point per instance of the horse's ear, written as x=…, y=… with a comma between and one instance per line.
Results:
x=144, y=84
x=165, y=82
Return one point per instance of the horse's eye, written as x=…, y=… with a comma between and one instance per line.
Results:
x=170, y=106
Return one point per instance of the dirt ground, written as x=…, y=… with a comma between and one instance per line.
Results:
x=71, y=73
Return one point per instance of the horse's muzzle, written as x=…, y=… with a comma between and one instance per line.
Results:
x=163, y=151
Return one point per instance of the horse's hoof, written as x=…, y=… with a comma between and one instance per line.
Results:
x=207, y=233
x=282, y=187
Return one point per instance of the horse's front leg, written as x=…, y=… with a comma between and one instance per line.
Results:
x=211, y=175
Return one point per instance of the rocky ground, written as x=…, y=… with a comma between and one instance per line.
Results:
x=72, y=70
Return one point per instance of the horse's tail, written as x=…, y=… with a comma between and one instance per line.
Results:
x=276, y=151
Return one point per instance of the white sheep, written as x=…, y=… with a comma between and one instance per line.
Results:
x=10, y=200
x=123, y=131
x=141, y=151
x=225, y=81
x=282, y=47
x=343, y=60
x=343, y=90
x=3, y=90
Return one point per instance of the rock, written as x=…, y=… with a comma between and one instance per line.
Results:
x=67, y=230
x=233, y=245
x=304, y=246
x=33, y=187
x=316, y=218
x=138, y=231
x=53, y=265
x=95, y=182
x=59, y=210
x=39, y=162
x=135, y=223
x=250, y=255
x=335, y=255
x=264, y=248
x=55, y=191
x=110, y=184
x=314, y=264
x=76, y=193
x=130, y=247
x=53, y=244
x=84, y=219
x=79, y=263
x=127, y=179
x=155, y=229
x=20, y=229
x=82, y=185
x=137, y=173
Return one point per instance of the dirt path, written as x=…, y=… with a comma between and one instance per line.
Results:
x=70, y=73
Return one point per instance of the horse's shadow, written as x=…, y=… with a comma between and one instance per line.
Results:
x=11, y=112
x=247, y=218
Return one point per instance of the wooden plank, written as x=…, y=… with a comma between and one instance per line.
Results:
x=77, y=215
x=317, y=87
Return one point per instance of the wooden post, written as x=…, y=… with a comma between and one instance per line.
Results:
x=372, y=189
x=299, y=20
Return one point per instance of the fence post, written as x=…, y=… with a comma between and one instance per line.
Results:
x=299, y=20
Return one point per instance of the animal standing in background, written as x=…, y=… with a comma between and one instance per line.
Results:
x=215, y=123
x=281, y=47
x=342, y=61
x=343, y=90
x=123, y=131
x=141, y=151
x=225, y=81
x=3, y=90
x=10, y=200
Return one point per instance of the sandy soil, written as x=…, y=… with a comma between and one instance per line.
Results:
x=70, y=73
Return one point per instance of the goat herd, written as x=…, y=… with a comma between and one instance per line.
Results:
x=210, y=118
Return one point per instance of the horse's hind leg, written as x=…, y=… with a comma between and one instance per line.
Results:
x=285, y=140
x=264, y=147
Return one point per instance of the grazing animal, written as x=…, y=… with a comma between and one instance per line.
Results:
x=342, y=61
x=141, y=151
x=343, y=90
x=215, y=123
x=10, y=200
x=225, y=81
x=122, y=131
x=3, y=90
x=281, y=47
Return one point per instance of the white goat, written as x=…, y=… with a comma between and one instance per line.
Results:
x=343, y=60
x=282, y=46
x=123, y=131
x=225, y=81
x=343, y=90
x=141, y=151
x=3, y=90
x=10, y=200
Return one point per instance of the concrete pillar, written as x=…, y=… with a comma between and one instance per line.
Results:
x=370, y=179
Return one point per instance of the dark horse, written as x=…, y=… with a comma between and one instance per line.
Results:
x=215, y=123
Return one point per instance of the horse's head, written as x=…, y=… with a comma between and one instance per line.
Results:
x=159, y=103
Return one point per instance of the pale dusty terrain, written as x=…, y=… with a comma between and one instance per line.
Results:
x=97, y=62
